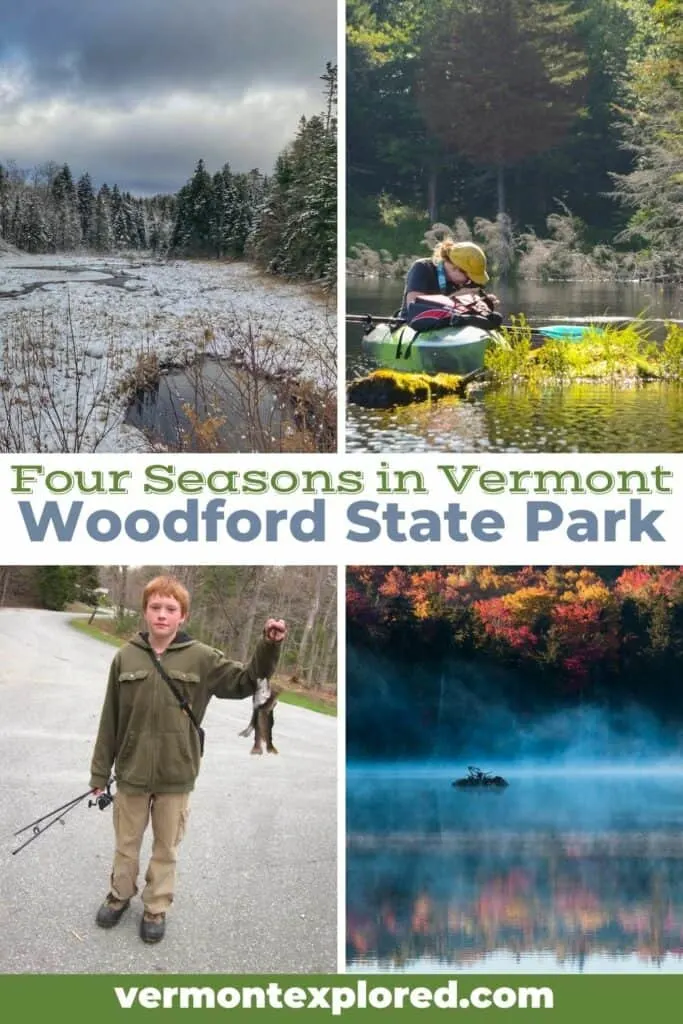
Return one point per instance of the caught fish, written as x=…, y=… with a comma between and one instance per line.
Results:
x=262, y=718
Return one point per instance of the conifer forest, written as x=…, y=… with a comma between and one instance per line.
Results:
x=283, y=220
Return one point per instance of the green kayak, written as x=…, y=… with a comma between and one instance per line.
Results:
x=447, y=350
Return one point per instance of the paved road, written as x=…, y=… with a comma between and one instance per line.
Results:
x=257, y=870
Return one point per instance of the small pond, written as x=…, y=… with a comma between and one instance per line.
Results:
x=247, y=415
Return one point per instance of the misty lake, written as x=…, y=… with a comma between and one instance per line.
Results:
x=562, y=872
x=581, y=417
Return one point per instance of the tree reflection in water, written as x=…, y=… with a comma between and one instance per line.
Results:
x=578, y=895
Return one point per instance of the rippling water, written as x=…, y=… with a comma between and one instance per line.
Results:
x=573, y=871
x=576, y=418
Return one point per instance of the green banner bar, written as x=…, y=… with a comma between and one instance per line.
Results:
x=575, y=999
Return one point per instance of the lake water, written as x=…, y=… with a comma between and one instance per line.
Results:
x=512, y=418
x=561, y=872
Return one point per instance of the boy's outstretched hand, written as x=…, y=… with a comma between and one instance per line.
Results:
x=275, y=630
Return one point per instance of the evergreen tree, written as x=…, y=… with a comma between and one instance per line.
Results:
x=102, y=231
x=193, y=235
x=501, y=80
x=294, y=231
x=86, y=206
x=220, y=212
x=5, y=219
x=120, y=219
x=66, y=230
x=57, y=585
x=87, y=581
x=34, y=236
x=47, y=212
x=139, y=224
x=242, y=215
x=653, y=131
x=16, y=232
x=265, y=243
x=63, y=185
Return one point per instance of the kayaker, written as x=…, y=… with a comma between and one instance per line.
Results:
x=447, y=285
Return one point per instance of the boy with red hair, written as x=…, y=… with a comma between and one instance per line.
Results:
x=160, y=684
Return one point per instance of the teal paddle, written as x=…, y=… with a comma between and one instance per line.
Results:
x=563, y=332
x=611, y=320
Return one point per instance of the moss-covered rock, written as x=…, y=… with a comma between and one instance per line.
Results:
x=384, y=389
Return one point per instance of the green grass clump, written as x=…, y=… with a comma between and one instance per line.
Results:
x=609, y=353
x=303, y=700
x=92, y=630
x=510, y=356
x=672, y=353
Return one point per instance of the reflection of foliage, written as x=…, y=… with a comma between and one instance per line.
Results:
x=561, y=903
x=579, y=624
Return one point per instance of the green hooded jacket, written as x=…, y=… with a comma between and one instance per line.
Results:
x=143, y=732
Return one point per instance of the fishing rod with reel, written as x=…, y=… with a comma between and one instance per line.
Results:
x=102, y=800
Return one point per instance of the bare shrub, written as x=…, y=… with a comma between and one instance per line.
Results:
x=274, y=391
x=560, y=257
x=460, y=232
x=366, y=262
x=56, y=390
x=498, y=239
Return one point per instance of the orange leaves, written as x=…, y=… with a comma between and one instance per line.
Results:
x=573, y=621
x=394, y=583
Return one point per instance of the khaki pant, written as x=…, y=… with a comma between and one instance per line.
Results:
x=169, y=813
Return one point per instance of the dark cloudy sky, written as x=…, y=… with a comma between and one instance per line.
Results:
x=135, y=91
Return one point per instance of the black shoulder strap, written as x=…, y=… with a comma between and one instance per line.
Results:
x=184, y=706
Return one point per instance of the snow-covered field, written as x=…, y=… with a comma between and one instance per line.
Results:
x=73, y=328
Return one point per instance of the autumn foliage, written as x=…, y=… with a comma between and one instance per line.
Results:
x=585, y=626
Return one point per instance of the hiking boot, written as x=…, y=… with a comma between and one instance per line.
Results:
x=152, y=927
x=111, y=911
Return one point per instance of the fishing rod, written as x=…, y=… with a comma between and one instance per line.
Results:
x=369, y=319
x=102, y=800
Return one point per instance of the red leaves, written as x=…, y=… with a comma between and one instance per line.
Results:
x=567, y=619
x=647, y=584
x=497, y=618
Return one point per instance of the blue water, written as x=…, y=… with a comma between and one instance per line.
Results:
x=562, y=871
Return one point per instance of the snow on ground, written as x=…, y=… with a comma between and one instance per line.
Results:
x=122, y=307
